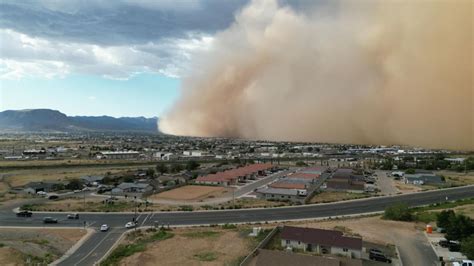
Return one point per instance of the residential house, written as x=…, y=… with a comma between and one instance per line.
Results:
x=281, y=258
x=282, y=194
x=132, y=189
x=321, y=241
x=424, y=179
x=233, y=176
x=90, y=180
x=35, y=187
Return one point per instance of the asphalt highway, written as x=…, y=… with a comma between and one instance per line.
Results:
x=99, y=243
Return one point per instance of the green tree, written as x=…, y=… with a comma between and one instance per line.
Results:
x=150, y=172
x=444, y=218
x=192, y=165
x=162, y=168
x=410, y=171
x=398, y=212
x=467, y=247
x=300, y=163
x=176, y=168
x=460, y=227
x=74, y=184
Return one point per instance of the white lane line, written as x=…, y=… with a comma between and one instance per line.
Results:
x=146, y=218
x=98, y=244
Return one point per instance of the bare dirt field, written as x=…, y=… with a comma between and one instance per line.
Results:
x=22, y=177
x=406, y=188
x=192, y=193
x=40, y=246
x=197, y=246
x=458, y=178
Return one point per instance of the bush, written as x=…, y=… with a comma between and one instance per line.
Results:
x=467, y=247
x=398, y=212
x=444, y=217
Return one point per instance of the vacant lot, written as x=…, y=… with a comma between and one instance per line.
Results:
x=22, y=177
x=458, y=178
x=40, y=246
x=197, y=246
x=330, y=196
x=192, y=193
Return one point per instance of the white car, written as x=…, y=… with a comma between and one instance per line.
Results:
x=130, y=225
x=104, y=228
x=41, y=193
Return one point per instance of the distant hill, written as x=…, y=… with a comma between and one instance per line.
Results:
x=46, y=120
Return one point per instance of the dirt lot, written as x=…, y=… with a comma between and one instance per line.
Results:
x=192, y=193
x=197, y=246
x=458, y=178
x=37, y=245
x=406, y=188
x=22, y=177
x=329, y=196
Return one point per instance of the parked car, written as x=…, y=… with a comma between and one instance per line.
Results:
x=104, y=228
x=73, y=216
x=377, y=255
x=130, y=225
x=24, y=214
x=42, y=193
x=453, y=247
x=50, y=220
x=464, y=263
x=53, y=197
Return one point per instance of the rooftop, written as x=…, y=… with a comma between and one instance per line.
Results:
x=321, y=237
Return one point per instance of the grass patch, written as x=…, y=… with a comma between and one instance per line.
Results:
x=202, y=234
x=229, y=226
x=206, y=256
x=446, y=205
x=126, y=250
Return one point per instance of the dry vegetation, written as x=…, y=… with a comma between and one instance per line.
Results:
x=195, y=246
x=330, y=196
x=192, y=193
x=39, y=246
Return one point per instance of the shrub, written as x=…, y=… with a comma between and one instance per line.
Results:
x=467, y=247
x=398, y=212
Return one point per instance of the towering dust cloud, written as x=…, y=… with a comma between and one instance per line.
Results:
x=373, y=72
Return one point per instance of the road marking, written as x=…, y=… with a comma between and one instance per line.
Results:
x=98, y=244
x=146, y=218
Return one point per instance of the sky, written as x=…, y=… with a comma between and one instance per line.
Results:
x=118, y=58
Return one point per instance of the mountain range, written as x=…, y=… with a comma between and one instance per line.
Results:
x=47, y=120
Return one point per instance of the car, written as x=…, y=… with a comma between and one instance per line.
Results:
x=453, y=247
x=130, y=225
x=50, y=220
x=24, y=214
x=53, y=197
x=464, y=263
x=73, y=216
x=104, y=228
x=42, y=193
x=377, y=256
x=375, y=250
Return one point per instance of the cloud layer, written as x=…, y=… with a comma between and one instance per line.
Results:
x=115, y=39
x=377, y=72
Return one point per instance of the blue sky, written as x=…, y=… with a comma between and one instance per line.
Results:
x=118, y=58
x=141, y=95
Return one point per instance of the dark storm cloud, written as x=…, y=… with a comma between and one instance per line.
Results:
x=117, y=22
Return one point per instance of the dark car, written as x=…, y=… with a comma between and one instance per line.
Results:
x=73, y=216
x=53, y=197
x=453, y=247
x=24, y=214
x=50, y=220
x=377, y=256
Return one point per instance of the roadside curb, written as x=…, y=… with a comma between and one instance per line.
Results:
x=75, y=247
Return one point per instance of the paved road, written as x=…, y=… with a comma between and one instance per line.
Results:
x=99, y=243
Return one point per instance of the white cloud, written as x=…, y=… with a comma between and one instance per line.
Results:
x=92, y=98
x=23, y=55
